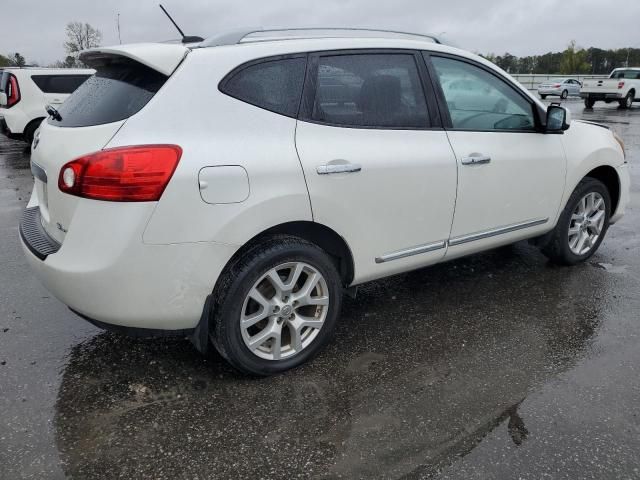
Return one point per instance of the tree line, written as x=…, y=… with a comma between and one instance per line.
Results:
x=573, y=60
x=80, y=36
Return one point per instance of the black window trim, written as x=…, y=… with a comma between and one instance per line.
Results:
x=309, y=91
x=274, y=58
x=38, y=76
x=539, y=114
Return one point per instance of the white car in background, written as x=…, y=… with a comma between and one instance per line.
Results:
x=232, y=190
x=561, y=87
x=622, y=86
x=25, y=93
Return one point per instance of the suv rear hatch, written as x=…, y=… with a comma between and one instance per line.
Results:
x=126, y=79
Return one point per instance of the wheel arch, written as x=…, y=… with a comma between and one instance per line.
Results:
x=321, y=235
x=608, y=175
x=33, y=123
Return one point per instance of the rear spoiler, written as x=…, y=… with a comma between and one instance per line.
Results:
x=161, y=57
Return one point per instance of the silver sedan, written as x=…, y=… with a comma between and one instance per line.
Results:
x=561, y=87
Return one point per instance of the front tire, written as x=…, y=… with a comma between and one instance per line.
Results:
x=582, y=225
x=276, y=307
x=589, y=103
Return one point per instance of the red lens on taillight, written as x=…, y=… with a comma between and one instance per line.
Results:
x=620, y=84
x=123, y=174
x=13, y=96
x=557, y=85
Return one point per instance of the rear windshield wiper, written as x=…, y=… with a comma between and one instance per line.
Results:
x=55, y=114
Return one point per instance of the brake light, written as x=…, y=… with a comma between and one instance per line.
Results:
x=557, y=85
x=13, y=93
x=620, y=84
x=123, y=174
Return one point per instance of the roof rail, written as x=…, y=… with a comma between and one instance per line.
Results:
x=253, y=35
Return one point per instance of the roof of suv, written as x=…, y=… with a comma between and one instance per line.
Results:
x=252, y=35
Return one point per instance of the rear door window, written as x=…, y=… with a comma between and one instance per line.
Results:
x=65, y=84
x=118, y=90
x=370, y=90
x=275, y=85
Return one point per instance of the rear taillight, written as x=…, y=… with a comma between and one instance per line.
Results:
x=123, y=174
x=620, y=85
x=13, y=93
x=557, y=85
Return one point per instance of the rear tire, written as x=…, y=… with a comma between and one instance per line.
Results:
x=564, y=247
x=30, y=130
x=264, y=326
x=627, y=102
x=543, y=97
x=564, y=95
x=589, y=103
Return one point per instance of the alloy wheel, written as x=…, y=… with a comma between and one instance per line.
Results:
x=587, y=223
x=284, y=311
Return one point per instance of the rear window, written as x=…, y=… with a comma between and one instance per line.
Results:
x=631, y=74
x=59, y=83
x=274, y=85
x=117, y=91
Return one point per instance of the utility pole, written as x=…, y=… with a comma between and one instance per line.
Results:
x=118, y=23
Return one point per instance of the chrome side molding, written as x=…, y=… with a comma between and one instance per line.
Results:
x=409, y=252
x=472, y=237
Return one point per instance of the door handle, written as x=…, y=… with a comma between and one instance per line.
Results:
x=475, y=159
x=338, y=168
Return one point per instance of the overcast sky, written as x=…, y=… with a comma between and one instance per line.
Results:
x=35, y=28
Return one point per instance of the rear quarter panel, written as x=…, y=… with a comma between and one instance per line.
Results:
x=214, y=129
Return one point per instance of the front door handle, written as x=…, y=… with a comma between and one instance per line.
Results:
x=476, y=159
x=338, y=168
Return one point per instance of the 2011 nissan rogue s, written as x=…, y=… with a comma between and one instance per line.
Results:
x=232, y=190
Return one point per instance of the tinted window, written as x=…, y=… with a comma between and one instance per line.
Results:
x=273, y=85
x=478, y=100
x=370, y=90
x=115, y=92
x=631, y=74
x=59, y=83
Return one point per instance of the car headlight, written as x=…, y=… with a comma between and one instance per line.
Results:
x=621, y=143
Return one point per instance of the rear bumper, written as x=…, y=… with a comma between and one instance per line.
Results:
x=4, y=130
x=601, y=96
x=550, y=91
x=12, y=123
x=103, y=271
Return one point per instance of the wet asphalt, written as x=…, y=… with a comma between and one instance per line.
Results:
x=496, y=366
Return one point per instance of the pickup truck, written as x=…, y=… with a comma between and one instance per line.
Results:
x=622, y=86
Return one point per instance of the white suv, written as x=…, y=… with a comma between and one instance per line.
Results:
x=25, y=93
x=232, y=190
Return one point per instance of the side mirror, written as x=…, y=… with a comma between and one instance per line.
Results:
x=3, y=99
x=558, y=119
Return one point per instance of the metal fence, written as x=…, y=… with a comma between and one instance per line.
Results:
x=531, y=81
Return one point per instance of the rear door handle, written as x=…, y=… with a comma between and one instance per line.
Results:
x=338, y=168
x=475, y=159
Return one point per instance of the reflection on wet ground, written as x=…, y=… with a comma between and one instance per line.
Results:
x=495, y=366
